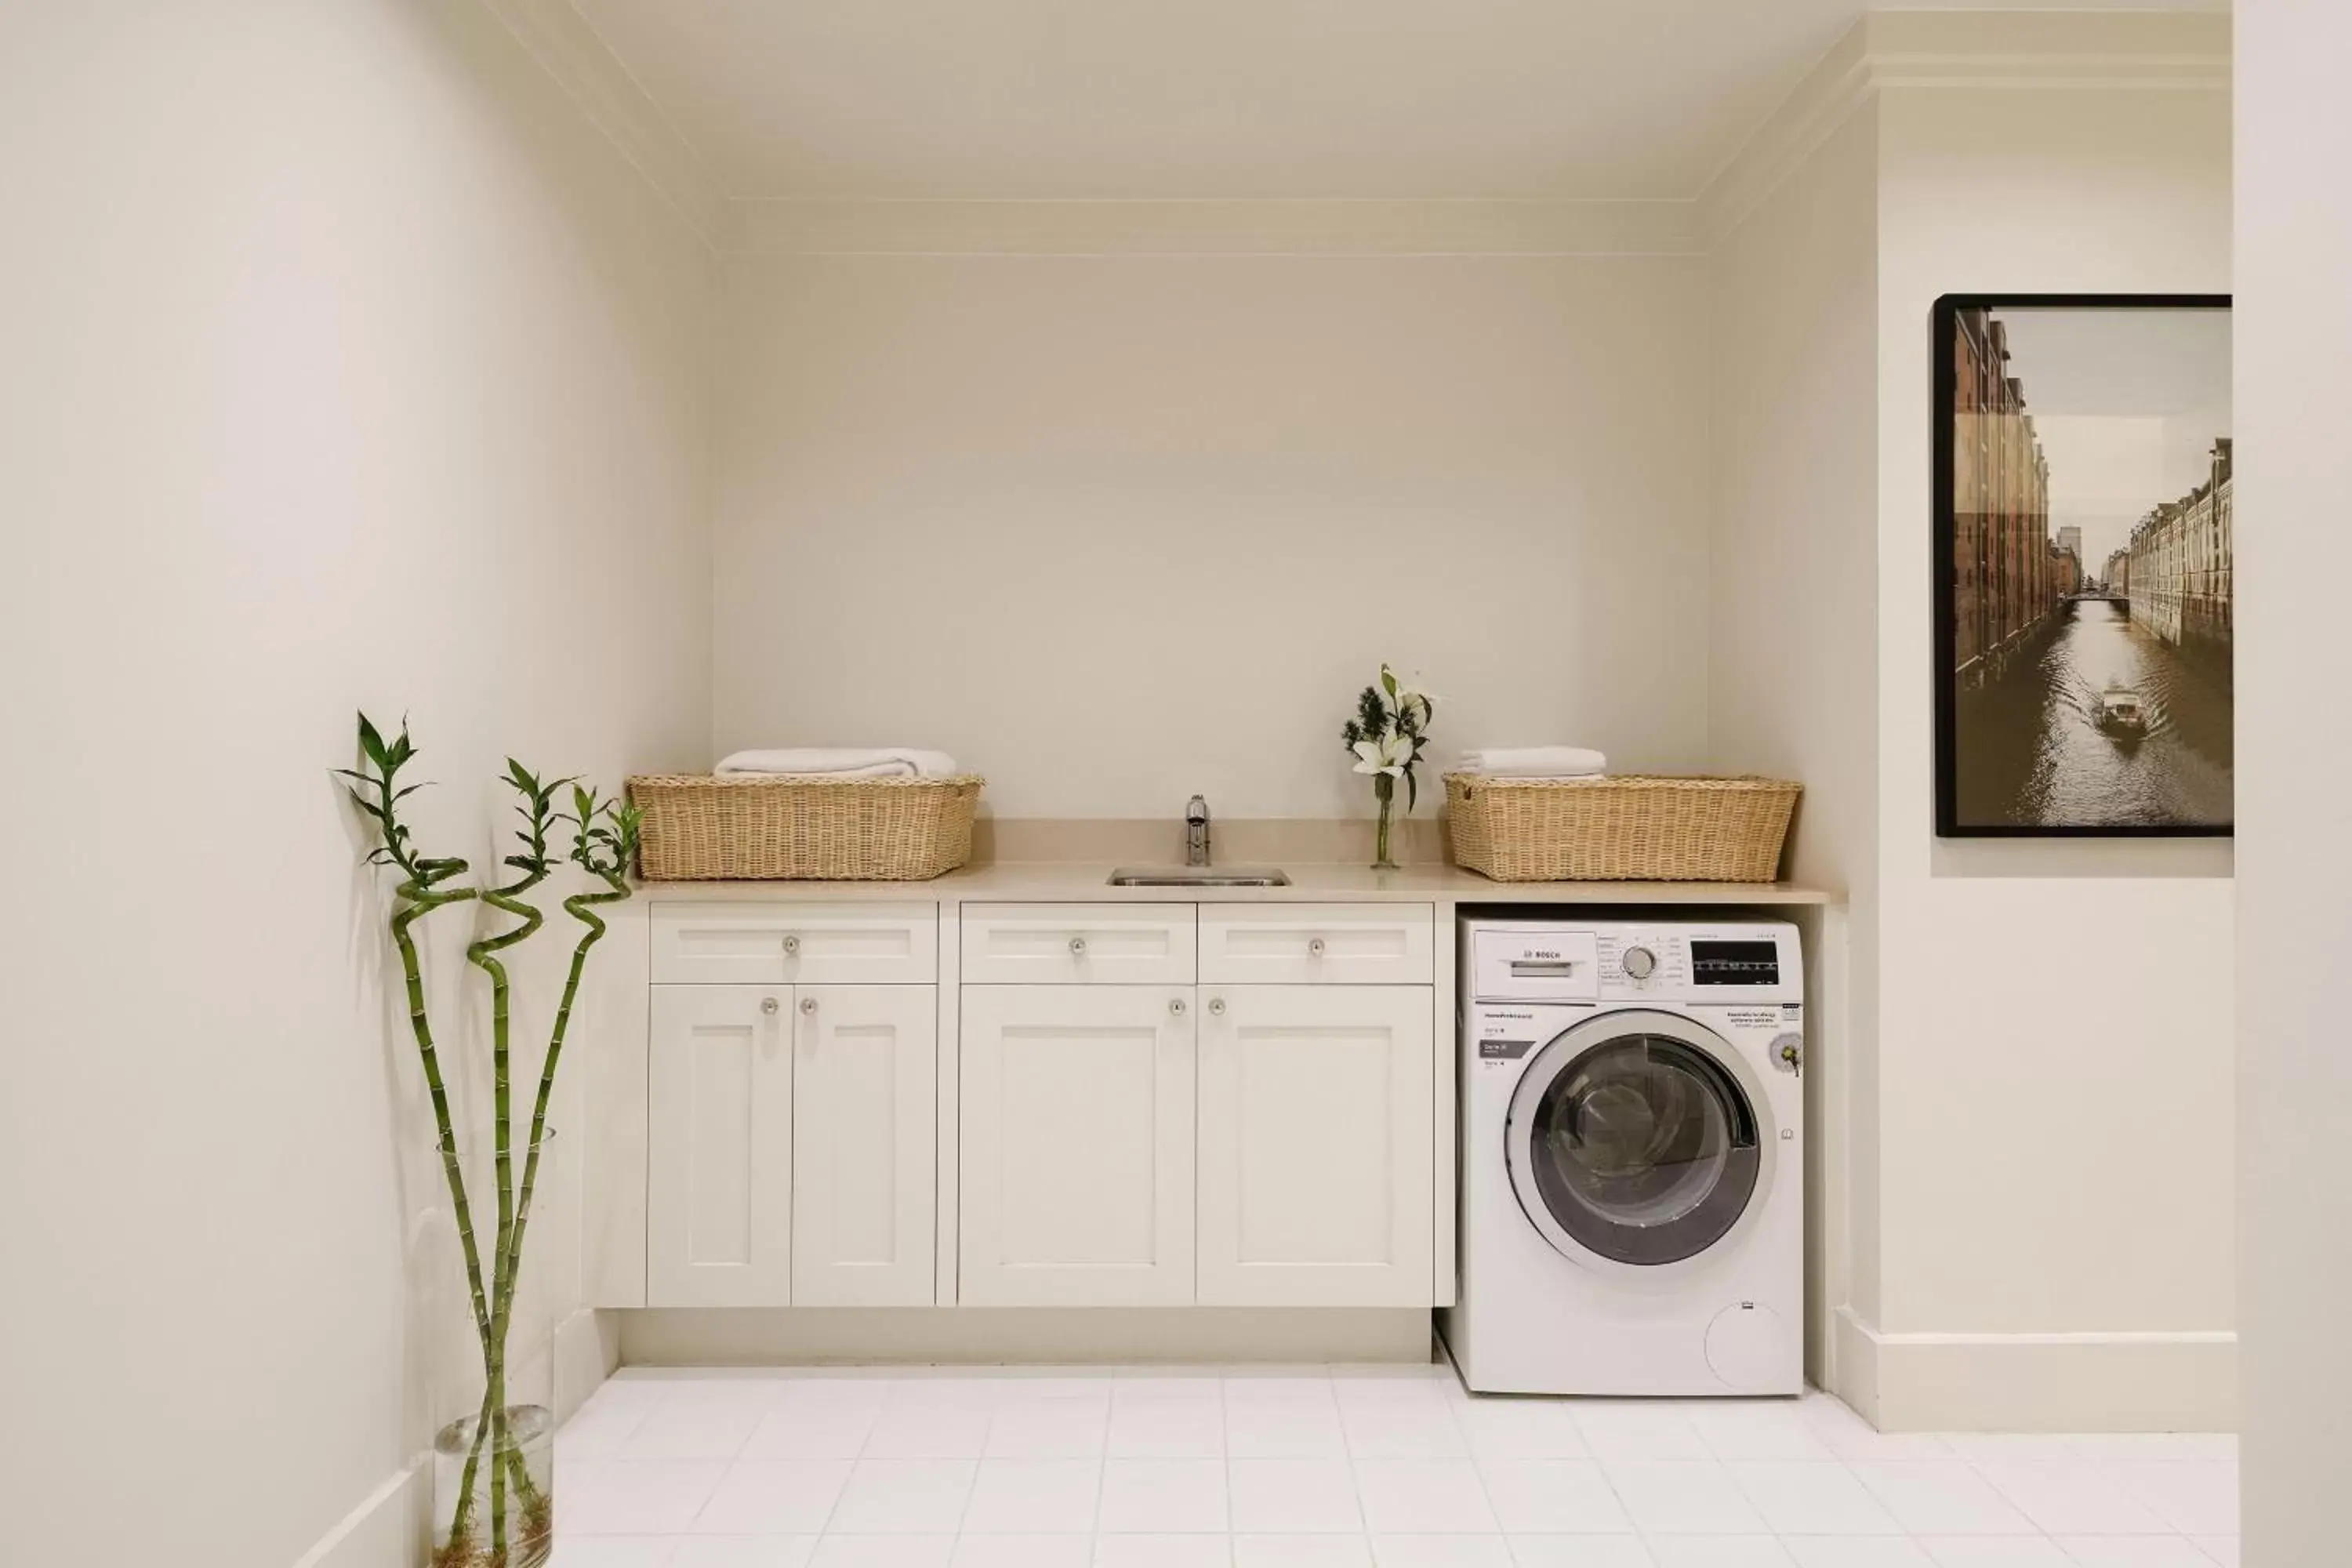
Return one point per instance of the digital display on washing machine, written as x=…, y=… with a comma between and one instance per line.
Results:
x=1735, y=963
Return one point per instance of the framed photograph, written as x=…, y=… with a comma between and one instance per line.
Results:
x=2083, y=564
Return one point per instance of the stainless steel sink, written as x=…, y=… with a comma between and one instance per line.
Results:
x=1198, y=877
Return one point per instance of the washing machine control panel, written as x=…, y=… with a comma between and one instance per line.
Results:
x=1644, y=962
x=1634, y=962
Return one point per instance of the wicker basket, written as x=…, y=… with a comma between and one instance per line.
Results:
x=1629, y=829
x=698, y=829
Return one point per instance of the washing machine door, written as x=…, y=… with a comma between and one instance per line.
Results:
x=1634, y=1138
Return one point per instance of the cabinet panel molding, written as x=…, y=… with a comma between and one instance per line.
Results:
x=719, y=1197
x=1078, y=944
x=1316, y=1172
x=788, y=944
x=1078, y=1145
x=862, y=1145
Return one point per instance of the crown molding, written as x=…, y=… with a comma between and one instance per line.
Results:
x=1886, y=50
x=2020, y=50
x=1470, y=226
x=592, y=77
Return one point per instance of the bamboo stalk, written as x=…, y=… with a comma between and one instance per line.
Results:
x=419, y=899
x=591, y=853
x=419, y=893
x=606, y=843
x=483, y=954
x=577, y=906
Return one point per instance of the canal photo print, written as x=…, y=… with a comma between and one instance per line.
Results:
x=2083, y=564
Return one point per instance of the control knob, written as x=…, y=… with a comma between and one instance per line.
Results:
x=1639, y=963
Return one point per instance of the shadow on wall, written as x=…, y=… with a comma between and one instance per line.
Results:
x=2104, y=858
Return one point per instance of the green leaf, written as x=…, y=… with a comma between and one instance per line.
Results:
x=372, y=741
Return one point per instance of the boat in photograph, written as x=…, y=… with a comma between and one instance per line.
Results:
x=2119, y=712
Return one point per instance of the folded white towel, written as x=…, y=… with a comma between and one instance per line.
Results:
x=840, y=763
x=1534, y=763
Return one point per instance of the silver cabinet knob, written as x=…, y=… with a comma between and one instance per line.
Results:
x=1315, y=947
x=768, y=1005
x=1217, y=1006
x=808, y=1006
x=792, y=946
x=1077, y=947
x=1175, y=1007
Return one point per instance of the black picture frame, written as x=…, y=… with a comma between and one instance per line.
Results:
x=1944, y=672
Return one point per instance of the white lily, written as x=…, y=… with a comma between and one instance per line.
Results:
x=1406, y=693
x=1390, y=754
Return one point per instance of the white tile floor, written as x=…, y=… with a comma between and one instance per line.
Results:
x=1337, y=1467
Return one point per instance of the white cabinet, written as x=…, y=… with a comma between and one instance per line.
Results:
x=787, y=944
x=1111, y=1104
x=1078, y=1145
x=789, y=1145
x=1078, y=944
x=1316, y=1145
x=1317, y=944
x=864, y=1129
x=720, y=1146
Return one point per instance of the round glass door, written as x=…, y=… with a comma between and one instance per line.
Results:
x=1635, y=1139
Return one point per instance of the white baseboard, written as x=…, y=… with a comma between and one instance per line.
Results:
x=985, y=1335
x=2184, y=1381
x=388, y=1530
x=587, y=1352
x=392, y=1526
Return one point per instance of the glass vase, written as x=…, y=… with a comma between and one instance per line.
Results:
x=493, y=1467
x=1384, y=790
x=494, y=1492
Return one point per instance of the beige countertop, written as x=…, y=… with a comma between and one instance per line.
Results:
x=1030, y=881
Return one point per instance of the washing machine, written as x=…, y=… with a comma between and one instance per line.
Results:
x=1633, y=1158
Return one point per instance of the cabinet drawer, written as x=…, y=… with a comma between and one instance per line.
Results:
x=1336, y=944
x=792, y=944
x=1080, y=945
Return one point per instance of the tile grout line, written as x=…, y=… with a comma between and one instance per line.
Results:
x=864, y=1438
x=2125, y=1476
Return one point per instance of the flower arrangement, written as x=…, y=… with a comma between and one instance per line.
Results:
x=1391, y=726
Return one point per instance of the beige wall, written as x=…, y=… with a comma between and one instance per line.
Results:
x=1792, y=687
x=2295, y=1073
x=2055, y=1149
x=347, y=364
x=1114, y=529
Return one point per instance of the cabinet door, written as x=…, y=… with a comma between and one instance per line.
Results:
x=720, y=1147
x=864, y=1123
x=1076, y=1145
x=1315, y=1147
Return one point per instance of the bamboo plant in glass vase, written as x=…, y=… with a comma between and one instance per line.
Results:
x=494, y=1504
x=1386, y=736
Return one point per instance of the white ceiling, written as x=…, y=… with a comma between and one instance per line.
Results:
x=1170, y=98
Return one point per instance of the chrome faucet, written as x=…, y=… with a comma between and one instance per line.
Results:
x=1196, y=831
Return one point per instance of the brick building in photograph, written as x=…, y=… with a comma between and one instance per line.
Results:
x=2065, y=571
x=2118, y=571
x=2006, y=572
x=2177, y=573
